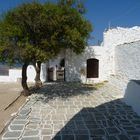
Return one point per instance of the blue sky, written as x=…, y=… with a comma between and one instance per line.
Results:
x=101, y=13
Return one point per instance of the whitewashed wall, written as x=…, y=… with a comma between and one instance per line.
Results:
x=127, y=65
x=4, y=79
x=127, y=61
x=15, y=74
x=118, y=36
x=105, y=54
x=77, y=63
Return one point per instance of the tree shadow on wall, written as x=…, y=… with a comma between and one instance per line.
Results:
x=76, y=65
x=110, y=121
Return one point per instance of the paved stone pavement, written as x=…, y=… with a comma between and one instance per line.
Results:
x=74, y=112
x=9, y=93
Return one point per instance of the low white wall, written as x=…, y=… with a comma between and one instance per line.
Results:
x=132, y=96
x=4, y=79
x=15, y=74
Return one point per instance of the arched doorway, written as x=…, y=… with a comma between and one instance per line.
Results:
x=92, y=68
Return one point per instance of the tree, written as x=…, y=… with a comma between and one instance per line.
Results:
x=40, y=31
x=21, y=30
x=73, y=30
x=76, y=4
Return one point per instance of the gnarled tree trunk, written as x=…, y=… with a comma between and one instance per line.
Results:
x=38, y=82
x=25, y=91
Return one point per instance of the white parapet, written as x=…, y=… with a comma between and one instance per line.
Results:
x=15, y=75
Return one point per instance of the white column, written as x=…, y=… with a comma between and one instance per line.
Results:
x=54, y=74
x=43, y=74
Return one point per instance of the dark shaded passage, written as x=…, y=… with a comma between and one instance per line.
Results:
x=110, y=121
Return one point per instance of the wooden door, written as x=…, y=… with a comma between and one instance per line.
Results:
x=92, y=68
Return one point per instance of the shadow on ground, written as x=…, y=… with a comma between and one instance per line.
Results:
x=110, y=121
x=65, y=90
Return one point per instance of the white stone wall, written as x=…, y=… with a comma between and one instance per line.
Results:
x=118, y=36
x=127, y=65
x=15, y=74
x=77, y=63
x=105, y=54
x=4, y=79
x=127, y=61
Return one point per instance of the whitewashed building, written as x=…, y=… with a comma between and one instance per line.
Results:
x=95, y=64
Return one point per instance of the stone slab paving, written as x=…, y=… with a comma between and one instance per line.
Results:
x=74, y=112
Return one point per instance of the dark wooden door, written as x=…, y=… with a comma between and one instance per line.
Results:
x=50, y=74
x=92, y=68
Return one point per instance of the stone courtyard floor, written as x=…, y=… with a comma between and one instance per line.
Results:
x=72, y=111
x=10, y=101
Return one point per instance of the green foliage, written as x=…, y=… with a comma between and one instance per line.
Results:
x=36, y=32
x=75, y=4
